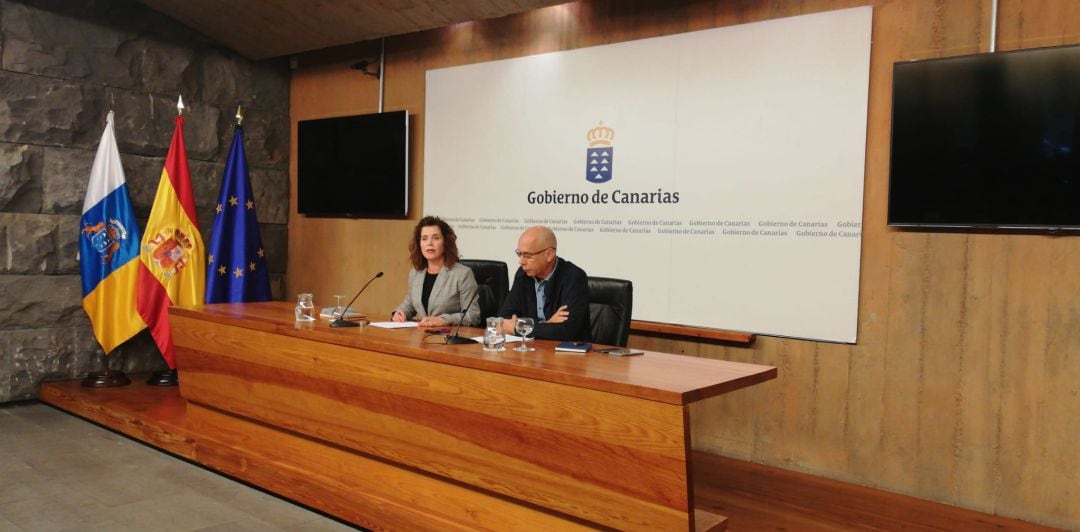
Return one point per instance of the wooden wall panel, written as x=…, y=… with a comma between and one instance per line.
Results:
x=978, y=392
x=962, y=387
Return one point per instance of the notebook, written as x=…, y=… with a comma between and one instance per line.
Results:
x=573, y=347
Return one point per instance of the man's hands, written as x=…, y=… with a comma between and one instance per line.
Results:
x=508, y=324
x=560, y=316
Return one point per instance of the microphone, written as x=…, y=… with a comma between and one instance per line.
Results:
x=341, y=321
x=453, y=339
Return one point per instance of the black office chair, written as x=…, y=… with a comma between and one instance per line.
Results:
x=611, y=302
x=492, y=282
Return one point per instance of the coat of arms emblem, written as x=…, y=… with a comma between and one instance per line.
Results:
x=600, y=155
x=169, y=250
x=105, y=237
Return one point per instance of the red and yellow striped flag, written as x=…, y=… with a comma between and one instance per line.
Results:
x=173, y=259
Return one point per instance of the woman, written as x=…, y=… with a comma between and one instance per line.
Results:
x=439, y=286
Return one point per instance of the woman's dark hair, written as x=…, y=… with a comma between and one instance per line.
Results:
x=450, y=252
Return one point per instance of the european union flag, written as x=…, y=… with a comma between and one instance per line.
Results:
x=236, y=269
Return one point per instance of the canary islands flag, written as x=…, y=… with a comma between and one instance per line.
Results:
x=109, y=248
x=172, y=255
x=236, y=266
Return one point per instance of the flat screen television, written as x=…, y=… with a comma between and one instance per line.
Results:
x=354, y=166
x=987, y=141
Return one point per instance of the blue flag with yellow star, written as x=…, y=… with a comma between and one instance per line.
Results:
x=236, y=269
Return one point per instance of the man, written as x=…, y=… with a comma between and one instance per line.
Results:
x=549, y=289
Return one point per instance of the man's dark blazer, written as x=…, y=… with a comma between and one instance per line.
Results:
x=568, y=286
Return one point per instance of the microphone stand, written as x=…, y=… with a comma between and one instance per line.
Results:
x=454, y=339
x=341, y=321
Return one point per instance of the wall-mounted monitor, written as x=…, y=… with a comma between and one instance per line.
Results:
x=354, y=166
x=987, y=140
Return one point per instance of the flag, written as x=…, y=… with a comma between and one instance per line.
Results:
x=173, y=264
x=109, y=248
x=236, y=266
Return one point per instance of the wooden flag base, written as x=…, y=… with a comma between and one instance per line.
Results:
x=166, y=377
x=106, y=378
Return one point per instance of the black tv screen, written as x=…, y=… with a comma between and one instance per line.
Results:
x=987, y=140
x=354, y=166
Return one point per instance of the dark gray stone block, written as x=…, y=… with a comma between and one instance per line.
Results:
x=102, y=43
x=20, y=178
x=47, y=354
x=271, y=84
x=219, y=79
x=143, y=176
x=30, y=243
x=155, y=66
x=266, y=138
x=67, y=236
x=206, y=182
x=64, y=179
x=277, y=286
x=39, y=110
x=275, y=239
x=45, y=43
x=226, y=79
x=271, y=188
x=6, y=363
x=34, y=301
x=201, y=127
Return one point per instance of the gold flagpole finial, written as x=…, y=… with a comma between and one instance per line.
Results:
x=239, y=116
x=180, y=105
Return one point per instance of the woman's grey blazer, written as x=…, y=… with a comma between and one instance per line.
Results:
x=454, y=288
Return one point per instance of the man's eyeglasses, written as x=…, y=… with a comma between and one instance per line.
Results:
x=527, y=255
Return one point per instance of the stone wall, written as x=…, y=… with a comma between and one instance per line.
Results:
x=62, y=66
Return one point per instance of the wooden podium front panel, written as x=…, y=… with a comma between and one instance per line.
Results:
x=371, y=493
x=608, y=459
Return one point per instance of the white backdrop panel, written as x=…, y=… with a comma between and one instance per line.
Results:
x=736, y=171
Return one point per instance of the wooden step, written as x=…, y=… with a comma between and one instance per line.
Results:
x=751, y=496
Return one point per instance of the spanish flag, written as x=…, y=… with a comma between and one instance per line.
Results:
x=173, y=260
x=109, y=248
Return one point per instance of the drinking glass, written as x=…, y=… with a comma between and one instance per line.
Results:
x=524, y=327
x=305, y=307
x=338, y=311
x=494, y=338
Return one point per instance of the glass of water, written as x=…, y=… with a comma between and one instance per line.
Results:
x=305, y=307
x=524, y=327
x=338, y=312
x=494, y=338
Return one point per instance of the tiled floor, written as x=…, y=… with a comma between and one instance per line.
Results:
x=58, y=472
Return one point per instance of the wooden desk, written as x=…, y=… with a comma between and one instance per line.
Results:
x=388, y=431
